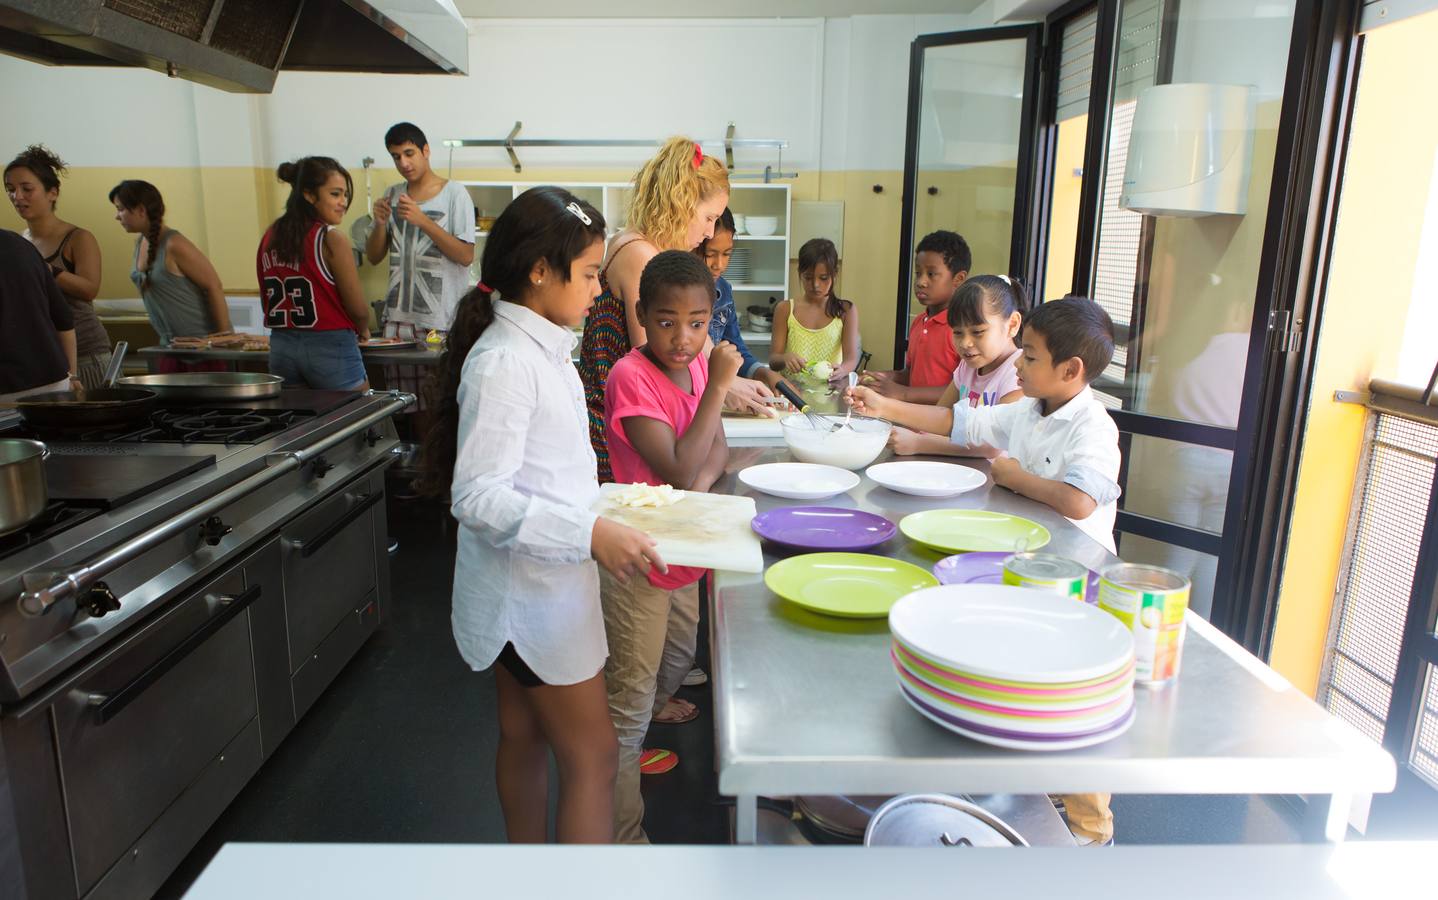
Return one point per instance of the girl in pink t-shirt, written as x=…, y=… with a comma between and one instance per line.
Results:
x=986, y=315
x=661, y=418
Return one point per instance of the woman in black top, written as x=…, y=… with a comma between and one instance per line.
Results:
x=37, y=331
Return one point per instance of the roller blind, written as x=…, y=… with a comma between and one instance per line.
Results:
x=1386, y=12
x=1138, y=45
x=1076, y=65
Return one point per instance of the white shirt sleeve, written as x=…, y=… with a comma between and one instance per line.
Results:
x=987, y=425
x=461, y=214
x=1092, y=461
x=496, y=402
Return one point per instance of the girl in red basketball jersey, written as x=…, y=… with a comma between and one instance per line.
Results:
x=309, y=286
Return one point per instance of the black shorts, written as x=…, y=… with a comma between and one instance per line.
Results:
x=509, y=658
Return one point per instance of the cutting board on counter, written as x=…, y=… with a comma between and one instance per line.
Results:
x=738, y=427
x=710, y=531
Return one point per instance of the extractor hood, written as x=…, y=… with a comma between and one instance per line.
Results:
x=239, y=45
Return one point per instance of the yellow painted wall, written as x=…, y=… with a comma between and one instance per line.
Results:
x=1386, y=186
x=1064, y=207
x=226, y=209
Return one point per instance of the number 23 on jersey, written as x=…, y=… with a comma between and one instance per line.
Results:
x=290, y=303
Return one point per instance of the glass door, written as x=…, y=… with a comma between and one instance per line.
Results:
x=967, y=155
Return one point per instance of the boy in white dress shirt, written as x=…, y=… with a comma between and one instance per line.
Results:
x=1061, y=446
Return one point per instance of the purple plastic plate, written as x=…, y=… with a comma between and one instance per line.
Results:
x=987, y=567
x=823, y=528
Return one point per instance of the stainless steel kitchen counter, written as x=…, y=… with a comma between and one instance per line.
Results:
x=808, y=704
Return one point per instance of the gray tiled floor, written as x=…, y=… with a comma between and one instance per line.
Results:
x=401, y=748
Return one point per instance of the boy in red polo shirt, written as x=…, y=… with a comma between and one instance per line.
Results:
x=941, y=263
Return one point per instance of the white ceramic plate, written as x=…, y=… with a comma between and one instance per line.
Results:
x=799, y=481
x=1118, y=709
x=926, y=479
x=1014, y=633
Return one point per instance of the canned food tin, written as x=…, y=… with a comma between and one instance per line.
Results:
x=1047, y=572
x=1151, y=602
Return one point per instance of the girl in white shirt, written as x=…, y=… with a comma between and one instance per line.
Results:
x=510, y=449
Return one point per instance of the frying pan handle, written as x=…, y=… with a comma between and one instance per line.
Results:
x=117, y=358
x=788, y=393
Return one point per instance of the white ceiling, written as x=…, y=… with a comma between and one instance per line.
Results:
x=668, y=9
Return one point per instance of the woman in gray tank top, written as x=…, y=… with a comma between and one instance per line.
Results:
x=181, y=290
x=32, y=181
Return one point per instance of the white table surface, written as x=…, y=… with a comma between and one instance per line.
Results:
x=422, y=871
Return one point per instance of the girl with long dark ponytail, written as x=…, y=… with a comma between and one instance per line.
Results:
x=510, y=449
x=309, y=283
x=181, y=290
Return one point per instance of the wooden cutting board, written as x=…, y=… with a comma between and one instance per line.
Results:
x=710, y=531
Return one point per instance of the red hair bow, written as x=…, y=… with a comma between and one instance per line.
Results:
x=698, y=155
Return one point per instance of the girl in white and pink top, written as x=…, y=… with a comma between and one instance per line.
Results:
x=986, y=315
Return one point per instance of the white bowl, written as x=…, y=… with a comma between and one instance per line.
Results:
x=739, y=223
x=761, y=226
x=848, y=448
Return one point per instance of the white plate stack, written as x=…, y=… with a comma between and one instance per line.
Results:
x=1012, y=666
x=739, y=271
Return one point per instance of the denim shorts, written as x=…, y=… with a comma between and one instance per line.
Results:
x=323, y=360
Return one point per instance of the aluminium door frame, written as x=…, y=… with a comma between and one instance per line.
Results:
x=1024, y=177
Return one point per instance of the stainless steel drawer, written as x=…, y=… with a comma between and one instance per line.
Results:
x=329, y=564
x=311, y=678
x=134, y=733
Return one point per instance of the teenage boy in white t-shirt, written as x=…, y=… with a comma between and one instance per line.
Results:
x=426, y=226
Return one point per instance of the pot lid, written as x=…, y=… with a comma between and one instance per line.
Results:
x=937, y=820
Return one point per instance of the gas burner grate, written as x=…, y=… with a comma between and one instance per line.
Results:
x=205, y=426
x=55, y=518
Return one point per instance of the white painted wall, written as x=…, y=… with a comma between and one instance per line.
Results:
x=835, y=88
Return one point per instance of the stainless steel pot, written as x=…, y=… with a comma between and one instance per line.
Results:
x=23, y=493
x=193, y=387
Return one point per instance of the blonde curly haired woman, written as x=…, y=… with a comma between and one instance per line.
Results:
x=678, y=195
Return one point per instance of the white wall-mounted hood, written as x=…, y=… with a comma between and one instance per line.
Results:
x=239, y=45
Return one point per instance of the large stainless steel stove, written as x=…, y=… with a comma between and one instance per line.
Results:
x=197, y=581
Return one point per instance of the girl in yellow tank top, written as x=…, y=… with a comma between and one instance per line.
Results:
x=818, y=327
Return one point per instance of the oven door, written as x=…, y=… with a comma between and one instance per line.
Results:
x=137, y=730
x=329, y=563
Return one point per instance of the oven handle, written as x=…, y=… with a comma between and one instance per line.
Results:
x=42, y=590
x=108, y=706
x=312, y=546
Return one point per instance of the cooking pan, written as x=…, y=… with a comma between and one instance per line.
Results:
x=23, y=493
x=194, y=387
x=95, y=408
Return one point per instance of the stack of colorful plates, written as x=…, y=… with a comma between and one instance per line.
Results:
x=1012, y=666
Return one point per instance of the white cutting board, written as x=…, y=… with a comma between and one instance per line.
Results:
x=710, y=531
x=753, y=428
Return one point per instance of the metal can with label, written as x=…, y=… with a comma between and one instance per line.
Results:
x=1151, y=602
x=1047, y=572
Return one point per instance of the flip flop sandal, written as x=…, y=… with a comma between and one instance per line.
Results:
x=657, y=762
x=679, y=719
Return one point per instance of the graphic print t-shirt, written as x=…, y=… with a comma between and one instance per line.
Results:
x=424, y=284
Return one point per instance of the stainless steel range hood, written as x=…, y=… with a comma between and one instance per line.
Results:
x=239, y=45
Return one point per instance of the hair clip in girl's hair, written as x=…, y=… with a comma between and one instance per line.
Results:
x=1007, y=280
x=698, y=155
x=484, y=288
x=581, y=214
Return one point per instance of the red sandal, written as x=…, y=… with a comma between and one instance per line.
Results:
x=657, y=762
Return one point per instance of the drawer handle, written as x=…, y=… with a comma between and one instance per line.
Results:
x=312, y=546
x=108, y=706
